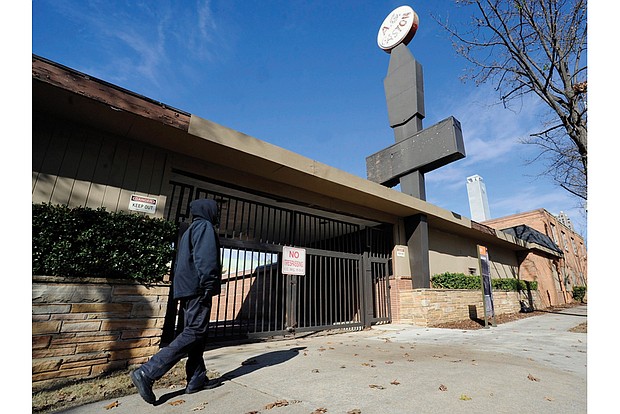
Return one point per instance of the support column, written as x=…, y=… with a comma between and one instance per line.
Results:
x=416, y=230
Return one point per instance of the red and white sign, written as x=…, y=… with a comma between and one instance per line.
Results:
x=143, y=204
x=293, y=261
x=400, y=26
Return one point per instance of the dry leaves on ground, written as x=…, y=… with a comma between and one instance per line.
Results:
x=532, y=378
x=279, y=403
x=112, y=405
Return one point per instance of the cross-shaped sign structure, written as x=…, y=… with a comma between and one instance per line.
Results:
x=416, y=150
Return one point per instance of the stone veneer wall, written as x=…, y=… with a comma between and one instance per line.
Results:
x=428, y=307
x=85, y=327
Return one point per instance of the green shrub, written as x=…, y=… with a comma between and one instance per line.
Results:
x=579, y=293
x=462, y=281
x=95, y=243
x=455, y=281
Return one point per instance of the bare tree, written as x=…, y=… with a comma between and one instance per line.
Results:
x=536, y=46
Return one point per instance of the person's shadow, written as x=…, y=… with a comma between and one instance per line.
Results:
x=248, y=366
x=261, y=361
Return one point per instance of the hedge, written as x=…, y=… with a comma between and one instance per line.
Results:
x=462, y=281
x=84, y=242
x=579, y=293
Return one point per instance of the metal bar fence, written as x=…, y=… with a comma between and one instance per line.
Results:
x=255, y=294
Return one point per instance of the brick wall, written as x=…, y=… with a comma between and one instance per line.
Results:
x=427, y=307
x=85, y=327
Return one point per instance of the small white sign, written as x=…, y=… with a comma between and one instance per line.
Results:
x=293, y=261
x=143, y=204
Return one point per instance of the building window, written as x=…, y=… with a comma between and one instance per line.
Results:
x=554, y=234
x=564, y=241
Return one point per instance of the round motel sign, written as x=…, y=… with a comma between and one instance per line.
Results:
x=398, y=27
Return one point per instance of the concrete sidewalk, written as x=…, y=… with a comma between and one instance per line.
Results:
x=533, y=365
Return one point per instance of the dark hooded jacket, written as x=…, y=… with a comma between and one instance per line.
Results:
x=198, y=271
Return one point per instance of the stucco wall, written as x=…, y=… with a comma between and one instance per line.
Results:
x=85, y=327
x=456, y=254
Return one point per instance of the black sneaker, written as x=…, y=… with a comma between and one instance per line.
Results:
x=144, y=385
x=209, y=384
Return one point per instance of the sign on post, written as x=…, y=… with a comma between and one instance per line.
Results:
x=293, y=261
x=487, y=294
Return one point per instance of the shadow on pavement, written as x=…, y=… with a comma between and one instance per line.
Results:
x=249, y=365
x=169, y=396
x=261, y=361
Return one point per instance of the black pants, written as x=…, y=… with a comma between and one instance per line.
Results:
x=190, y=342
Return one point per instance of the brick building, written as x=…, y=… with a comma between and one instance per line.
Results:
x=556, y=275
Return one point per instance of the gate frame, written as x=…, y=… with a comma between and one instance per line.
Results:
x=366, y=289
x=371, y=280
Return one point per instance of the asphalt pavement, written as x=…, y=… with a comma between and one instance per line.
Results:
x=532, y=365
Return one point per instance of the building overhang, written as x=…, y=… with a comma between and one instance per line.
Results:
x=72, y=95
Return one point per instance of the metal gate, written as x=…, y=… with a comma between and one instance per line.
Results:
x=347, y=265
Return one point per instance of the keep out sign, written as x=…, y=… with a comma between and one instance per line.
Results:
x=293, y=261
x=143, y=204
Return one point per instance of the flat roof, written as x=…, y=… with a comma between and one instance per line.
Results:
x=70, y=94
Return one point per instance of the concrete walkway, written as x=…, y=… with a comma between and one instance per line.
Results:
x=533, y=365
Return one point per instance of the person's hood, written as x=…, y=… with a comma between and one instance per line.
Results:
x=205, y=209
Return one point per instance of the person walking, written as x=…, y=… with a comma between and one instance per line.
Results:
x=197, y=278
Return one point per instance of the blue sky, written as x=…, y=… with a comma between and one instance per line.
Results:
x=306, y=76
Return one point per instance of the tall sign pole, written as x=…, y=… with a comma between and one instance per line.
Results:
x=416, y=150
x=487, y=292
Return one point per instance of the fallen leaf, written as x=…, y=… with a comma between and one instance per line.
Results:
x=249, y=362
x=200, y=407
x=279, y=403
x=112, y=405
x=465, y=397
x=177, y=402
x=389, y=362
x=532, y=378
x=379, y=387
x=443, y=388
x=315, y=371
x=355, y=411
x=319, y=411
x=548, y=398
x=395, y=382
